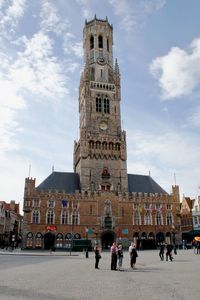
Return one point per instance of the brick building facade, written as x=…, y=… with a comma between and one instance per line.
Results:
x=100, y=200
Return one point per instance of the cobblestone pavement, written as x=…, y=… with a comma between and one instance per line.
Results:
x=41, y=276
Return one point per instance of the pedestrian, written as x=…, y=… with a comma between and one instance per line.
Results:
x=114, y=251
x=87, y=253
x=162, y=251
x=175, y=249
x=169, y=252
x=97, y=256
x=133, y=255
x=130, y=250
x=120, y=256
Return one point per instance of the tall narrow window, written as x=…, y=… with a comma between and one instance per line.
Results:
x=50, y=217
x=100, y=41
x=106, y=106
x=108, y=45
x=64, y=217
x=92, y=74
x=169, y=219
x=91, y=42
x=98, y=104
x=137, y=218
x=158, y=219
x=35, y=217
x=75, y=217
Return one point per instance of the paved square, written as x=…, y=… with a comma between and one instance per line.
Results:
x=60, y=276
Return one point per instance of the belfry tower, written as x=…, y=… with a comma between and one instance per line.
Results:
x=100, y=154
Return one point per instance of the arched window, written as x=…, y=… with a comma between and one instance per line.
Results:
x=100, y=41
x=75, y=217
x=158, y=219
x=64, y=217
x=98, y=104
x=38, y=240
x=91, y=42
x=111, y=146
x=147, y=219
x=106, y=106
x=104, y=146
x=169, y=219
x=35, y=217
x=98, y=145
x=50, y=217
x=117, y=146
x=137, y=218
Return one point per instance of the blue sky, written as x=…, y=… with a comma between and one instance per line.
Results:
x=157, y=44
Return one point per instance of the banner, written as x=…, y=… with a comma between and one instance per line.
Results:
x=125, y=231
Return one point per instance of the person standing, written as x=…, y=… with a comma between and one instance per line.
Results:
x=97, y=256
x=162, y=250
x=130, y=250
x=120, y=256
x=114, y=251
x=133, y=255
x=169, y=252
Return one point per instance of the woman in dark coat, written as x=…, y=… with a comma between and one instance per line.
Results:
x=97, y=256
x=134, y=255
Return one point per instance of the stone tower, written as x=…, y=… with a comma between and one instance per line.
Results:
x=100, y=154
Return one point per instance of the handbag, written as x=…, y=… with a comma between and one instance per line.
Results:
x=99, y=256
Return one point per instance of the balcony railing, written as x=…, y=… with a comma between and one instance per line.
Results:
x=110, y=87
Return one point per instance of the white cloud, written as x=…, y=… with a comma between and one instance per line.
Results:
x=10, y=16
x=51, y=21
x=151, y=6
x=36, y=69
x=10, y=103
x=166, y=154
x=178, y=72
x=71, y=46
x=133, y=13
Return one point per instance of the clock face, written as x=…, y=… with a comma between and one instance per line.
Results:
x=101, y=61
x=103, y=126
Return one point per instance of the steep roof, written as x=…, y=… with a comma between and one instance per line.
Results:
x=70, y=182
x=144, y=184
x=61, y=181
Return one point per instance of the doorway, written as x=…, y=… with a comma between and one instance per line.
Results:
x=107, y=239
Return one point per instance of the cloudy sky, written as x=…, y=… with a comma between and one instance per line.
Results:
x=157, y=44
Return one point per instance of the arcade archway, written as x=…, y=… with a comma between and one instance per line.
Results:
x=107, y=238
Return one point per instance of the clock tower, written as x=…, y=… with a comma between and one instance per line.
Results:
x=100, y=154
